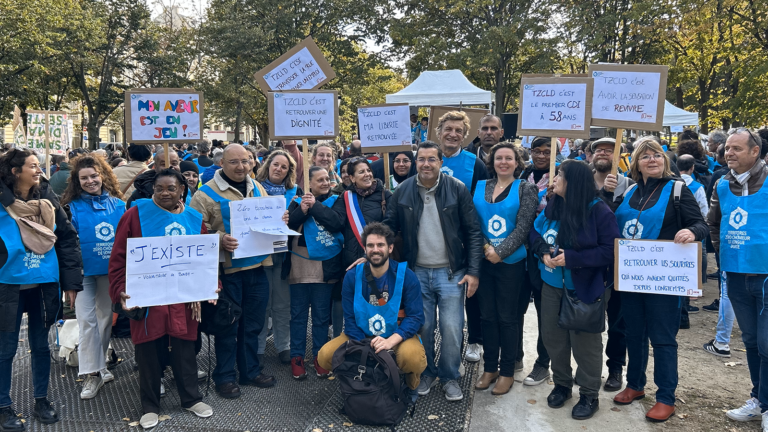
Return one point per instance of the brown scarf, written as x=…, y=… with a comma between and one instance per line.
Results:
x=36, y=220
x=369, y=191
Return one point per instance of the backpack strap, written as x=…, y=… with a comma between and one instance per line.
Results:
x=132, y=180
x=394, y=378
x=677, y=191
x=629, y=188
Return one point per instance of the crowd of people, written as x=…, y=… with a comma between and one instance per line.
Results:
x=453, y=238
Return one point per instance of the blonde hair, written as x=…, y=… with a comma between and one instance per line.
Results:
x=453, y=116
x=290, y=178
x=643, y=145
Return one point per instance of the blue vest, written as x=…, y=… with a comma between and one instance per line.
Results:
x=225, y=214
x=378, y=320
x=498, y=220
x=289, y=194
x=321, y=244
x=95, y=218
x=651, y=219
x=548, y=230
x=743, y=237
x=694, y=186
x=461, y=167
x=23, y=266
x=158, y=222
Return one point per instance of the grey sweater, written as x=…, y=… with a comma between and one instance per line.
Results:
x=529, y=200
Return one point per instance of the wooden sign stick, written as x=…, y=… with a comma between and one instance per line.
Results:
x=386, y=170
x=47, y=146
x=307, y=163
x=167, y=155
x=552, y=160
x=617, y=151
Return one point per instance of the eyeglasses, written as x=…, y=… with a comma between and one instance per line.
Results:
x=402, y=161
x=236, y=162
x=742, y=130
x=541, y=153
x=604, y=150
x=430, y=160
x=657, y=156
x=171, y=189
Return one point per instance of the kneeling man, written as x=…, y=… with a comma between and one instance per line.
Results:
x=382, y=302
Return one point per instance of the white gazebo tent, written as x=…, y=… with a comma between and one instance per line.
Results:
x=674, y=116
x=448, y=87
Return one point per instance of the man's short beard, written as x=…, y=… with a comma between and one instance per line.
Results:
x=383, y=261
x=602, y=165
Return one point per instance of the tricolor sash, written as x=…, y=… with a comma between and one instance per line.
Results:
x=355, y=216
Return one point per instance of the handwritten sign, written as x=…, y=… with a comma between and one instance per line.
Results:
x=303, y=114
x=157, y=116
x=555, y=107
x=257, y=224
x=628, y=96
x=385, y=128
x=58, y=132
x=172, y=269
x=302, y=68
x=658, y=267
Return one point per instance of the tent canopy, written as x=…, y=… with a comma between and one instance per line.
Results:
x=674, y=116
x=448, y=87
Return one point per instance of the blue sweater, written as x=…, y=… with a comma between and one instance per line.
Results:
x=411, y=303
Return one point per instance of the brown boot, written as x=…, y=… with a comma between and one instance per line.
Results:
x=627, y=396
x=485, y=380
x=660, y=413
x=503, y=385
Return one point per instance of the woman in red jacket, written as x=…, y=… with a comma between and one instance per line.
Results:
x=159, y=328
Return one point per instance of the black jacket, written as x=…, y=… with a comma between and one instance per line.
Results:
x=332, y=268
x=143, y=187
x=701, y=172
x=458, y=219
x=67, y=248
x=373, y=211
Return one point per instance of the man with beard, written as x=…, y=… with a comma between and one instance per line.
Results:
x=611, y=187
x=489, y=134
x=369, y=313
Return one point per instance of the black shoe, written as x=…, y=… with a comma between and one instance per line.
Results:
x=9, y=421
x=44, y=412
x=228, y=390
x=285, y=357
x=585, y=408
x=685, y=324
x=715, y=275
x=614, y=381
x=692, y=309
x=261, y=381
x=559, y=395
x=714, y=307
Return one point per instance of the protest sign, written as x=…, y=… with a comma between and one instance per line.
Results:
x=555, y=107
x=303, y=114
x=474, y=114
x=172, y=269
x=57, y=136
x=628, y=96
x=302, y=68
x=384, y=128
x=658, y=267
x=257, y=224
x=163, y=115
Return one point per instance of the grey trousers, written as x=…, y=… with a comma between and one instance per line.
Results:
x=278, y=307
x=587, y=348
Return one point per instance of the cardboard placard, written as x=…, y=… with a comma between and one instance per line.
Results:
x=57, y=136
x=555, y=107
x=164, y=115
x=657, y=267
x=384, y=128
x=474, y=114
x=303, y=67
x=311, y=114
x=629, y=96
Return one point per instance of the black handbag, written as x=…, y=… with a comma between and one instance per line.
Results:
x=579, y=316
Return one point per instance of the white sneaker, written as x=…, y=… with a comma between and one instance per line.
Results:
x=474, y=351
x=149, y=420
x=765, y=421
x=106, y=375
x=750, y=411
x=201, y=375
x=201, y=410
x=91, y=387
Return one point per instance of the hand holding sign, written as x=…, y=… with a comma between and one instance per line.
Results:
x=257, y=226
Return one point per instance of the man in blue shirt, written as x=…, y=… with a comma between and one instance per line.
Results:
x=369, y=313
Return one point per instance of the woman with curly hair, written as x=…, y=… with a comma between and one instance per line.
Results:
x=94, y=198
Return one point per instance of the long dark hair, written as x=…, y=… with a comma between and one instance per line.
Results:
x=573, y=211
x=14, y=159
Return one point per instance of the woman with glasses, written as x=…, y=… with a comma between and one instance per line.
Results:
x=648, y=211
x=278, y=176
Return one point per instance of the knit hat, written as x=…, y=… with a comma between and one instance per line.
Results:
x=185, y=166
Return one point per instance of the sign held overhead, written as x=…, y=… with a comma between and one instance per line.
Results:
x=555, y=107
x=163, y=115
x=629, y=96
x=384, y=128
x=303, y=67
x=303, y=114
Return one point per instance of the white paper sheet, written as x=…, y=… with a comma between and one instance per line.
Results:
x=658, y=267
x=257, y=224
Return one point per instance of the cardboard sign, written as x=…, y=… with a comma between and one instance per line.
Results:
x=629, y=96
x=57, y=136
x=555, y=107
x=163, y=115
x=658, y=267
x=302, y=68
x=474, y=114
x=172, y=269
x=384, y=128
x=257, y=224
x=303, y=114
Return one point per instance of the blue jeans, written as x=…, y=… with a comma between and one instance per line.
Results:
x=725, y=314
x=747, y=294
x=29, y=302
x=438, y=291
x=240, y=342
x=655, y=317
x=318, y=295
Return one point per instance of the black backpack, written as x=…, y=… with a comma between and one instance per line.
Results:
x=372, y=385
